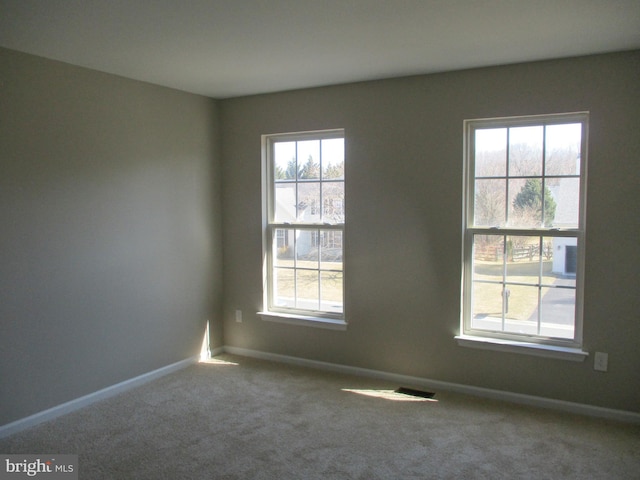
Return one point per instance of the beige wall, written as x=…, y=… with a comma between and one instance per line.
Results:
x=403, y=250
x=110, y=253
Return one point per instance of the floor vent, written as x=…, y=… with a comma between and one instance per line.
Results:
x=415, y=393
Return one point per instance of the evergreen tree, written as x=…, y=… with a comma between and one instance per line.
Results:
x=528, y=202
x=334, y=171
x=292, y=170
x=310, y=169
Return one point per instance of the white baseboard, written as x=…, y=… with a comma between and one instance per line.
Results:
x=216, y=351
x=76, y=404
x=425, y=383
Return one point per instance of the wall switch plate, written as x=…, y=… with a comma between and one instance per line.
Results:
x=601, y=361
x=239, y=316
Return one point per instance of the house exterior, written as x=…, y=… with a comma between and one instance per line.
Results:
x=565, y=250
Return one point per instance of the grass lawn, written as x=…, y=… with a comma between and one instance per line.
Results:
x=306, y=286
x=523, y=299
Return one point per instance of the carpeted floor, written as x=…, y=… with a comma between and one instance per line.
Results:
x=240, y=418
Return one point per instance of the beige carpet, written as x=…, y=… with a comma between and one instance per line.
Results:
x=239, y=418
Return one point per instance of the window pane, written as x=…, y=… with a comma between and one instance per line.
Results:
x=525, y=151
x=488, y=257
x=333, y=202
x=307, y=289
x=285, y=202
x=331, y=290
x=521, y=309
x=489, y=203
x=523, y=259
x=283, y=247
x=491, y=152
x=565, y=193
x=331, y=250
x=284, y=287
x=564, y=260
x=309, y=202
x=488, y=266
x=487, y=306
x=309, y=159
x=558, y=312
x=333, y=158
x=306, y=248
x=562, y=145
x=525, y=202
x=284, y=160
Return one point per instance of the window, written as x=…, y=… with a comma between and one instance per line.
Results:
x=304, y=227
x=524, y=229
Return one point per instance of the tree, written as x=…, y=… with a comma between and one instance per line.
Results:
x=280, y=174
x=292, y=170
x=528, y=203
x=489, y=203
x=288, y=174
x=334, y=171
x=310, y=169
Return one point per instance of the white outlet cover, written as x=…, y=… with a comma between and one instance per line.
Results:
x=600, y=361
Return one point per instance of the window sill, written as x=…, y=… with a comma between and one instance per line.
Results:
x=548, y=351
x=303, y=320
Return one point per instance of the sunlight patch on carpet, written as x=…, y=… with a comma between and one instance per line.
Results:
x=389, y=395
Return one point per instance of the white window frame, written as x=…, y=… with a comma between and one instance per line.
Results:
x=271, y=311
x=535, y=344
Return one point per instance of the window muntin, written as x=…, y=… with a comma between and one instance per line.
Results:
x=305, y=223
x=524, y=228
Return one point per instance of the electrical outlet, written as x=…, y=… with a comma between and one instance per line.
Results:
x=239, y=316
x=601, y=361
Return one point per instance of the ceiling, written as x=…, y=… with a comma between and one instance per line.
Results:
x=228, y=48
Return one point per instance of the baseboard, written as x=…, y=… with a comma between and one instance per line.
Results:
x=78, y=403
x=216, y=351
x=427, y=384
